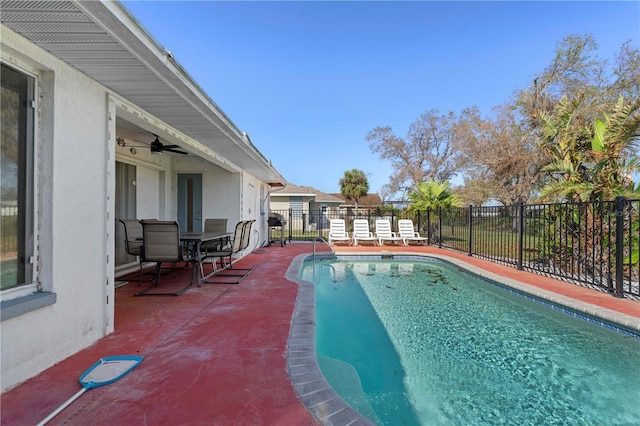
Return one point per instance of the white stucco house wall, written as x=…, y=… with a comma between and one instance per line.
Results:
x=98, y=89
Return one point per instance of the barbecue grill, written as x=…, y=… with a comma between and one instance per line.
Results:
x=276, y=221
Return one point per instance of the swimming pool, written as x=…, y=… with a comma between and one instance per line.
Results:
x=408, y=342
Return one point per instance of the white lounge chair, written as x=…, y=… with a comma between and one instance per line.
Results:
x=361, y=232
x=406, y=232
x=384, y=232
x=338, y=232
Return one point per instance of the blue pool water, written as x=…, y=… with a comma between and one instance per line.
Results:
x=422, y=343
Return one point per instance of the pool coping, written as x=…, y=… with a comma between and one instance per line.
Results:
x=310, y=385
x=314, y=390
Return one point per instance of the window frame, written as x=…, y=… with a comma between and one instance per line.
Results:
x=30, y=163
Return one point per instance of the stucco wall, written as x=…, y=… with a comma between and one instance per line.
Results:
x=71, y=160
x=279, y=203
x=148, y=193
x=220, y=188
x=252, y=210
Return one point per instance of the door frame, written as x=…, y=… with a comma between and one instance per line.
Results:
x=189, y=198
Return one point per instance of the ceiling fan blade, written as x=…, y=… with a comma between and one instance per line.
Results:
x=175, y=151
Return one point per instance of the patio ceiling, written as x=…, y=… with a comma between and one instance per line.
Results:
x=105, y=42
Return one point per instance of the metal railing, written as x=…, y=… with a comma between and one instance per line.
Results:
x=594, y=244
x=333, y=251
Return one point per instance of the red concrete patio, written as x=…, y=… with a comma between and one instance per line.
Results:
x=214, y=355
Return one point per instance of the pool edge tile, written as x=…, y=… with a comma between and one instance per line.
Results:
x=312, y=388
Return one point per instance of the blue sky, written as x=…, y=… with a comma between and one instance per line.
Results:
x=309, y=80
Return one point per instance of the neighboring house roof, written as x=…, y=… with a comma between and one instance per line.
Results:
x=291, y=190
x=372, y=200
x=104, y=41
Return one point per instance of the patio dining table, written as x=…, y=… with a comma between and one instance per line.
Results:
x=195, y=239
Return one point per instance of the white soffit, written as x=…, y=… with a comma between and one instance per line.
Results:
x=101, y=39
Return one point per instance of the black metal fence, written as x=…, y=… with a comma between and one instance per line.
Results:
x=8, y=229
x=592, y=244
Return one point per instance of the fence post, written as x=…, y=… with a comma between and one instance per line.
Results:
x=290, y=223
x=428, y=226
x=619, y=207
x=439, y=227
x=470, y=229
x=304, y=224
x=520, y=234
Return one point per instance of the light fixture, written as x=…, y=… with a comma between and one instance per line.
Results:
x=133, y=151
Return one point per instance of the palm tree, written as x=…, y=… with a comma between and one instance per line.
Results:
x=614, y=152
x=565, y=140
x=432, y=195
x=592, y=161
x=354, y=185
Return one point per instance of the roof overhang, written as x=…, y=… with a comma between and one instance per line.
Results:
x=104, y=41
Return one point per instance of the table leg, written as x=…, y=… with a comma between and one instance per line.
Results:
x=199, y=261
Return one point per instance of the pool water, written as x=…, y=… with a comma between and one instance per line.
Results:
x=423, y=343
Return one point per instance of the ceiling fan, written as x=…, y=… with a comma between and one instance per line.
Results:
x=156, y=146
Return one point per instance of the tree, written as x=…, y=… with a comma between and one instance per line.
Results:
x=576, y=72
x=432, y=195
x=595, y=161
x=426, y=153
x=565, y=142
x=354, y=185
x=530, y=143
x=614, y=150
x=475, y=192
x=500, y=153
x=590, y=162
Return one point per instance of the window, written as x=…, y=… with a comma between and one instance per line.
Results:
x=16, y=180
x=296, y=205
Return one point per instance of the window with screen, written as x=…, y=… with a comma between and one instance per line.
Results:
x=16, y=180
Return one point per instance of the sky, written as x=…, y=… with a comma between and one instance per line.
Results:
x=309, y=80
